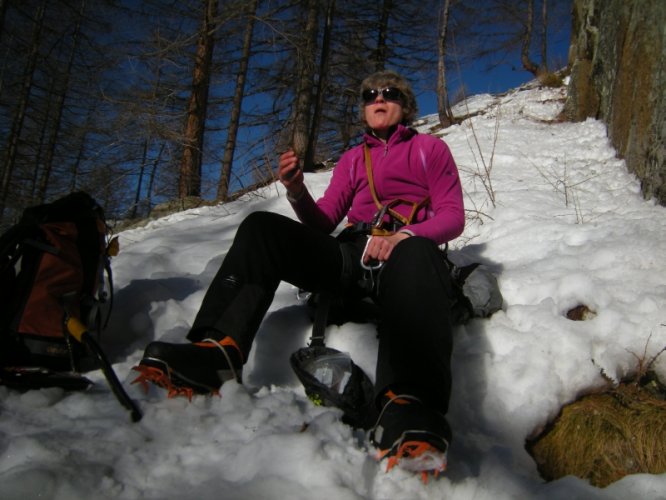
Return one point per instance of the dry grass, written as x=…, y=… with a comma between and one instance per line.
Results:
x=603, y=437
x=550, y=79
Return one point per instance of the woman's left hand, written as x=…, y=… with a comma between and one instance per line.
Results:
x=380, y=247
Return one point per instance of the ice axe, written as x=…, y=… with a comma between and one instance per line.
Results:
x=79, y=331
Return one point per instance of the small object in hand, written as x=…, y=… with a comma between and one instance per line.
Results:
x=291, y=174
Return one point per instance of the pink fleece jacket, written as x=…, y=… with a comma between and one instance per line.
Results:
x=410, y=166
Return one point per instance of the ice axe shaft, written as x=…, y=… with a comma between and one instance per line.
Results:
x=78, y=330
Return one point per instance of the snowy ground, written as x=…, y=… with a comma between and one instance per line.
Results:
x=568, y=226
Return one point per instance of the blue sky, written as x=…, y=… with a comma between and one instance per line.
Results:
x=478, y=80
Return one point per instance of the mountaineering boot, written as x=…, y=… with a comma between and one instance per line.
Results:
x=411, y=435
x=187, y=369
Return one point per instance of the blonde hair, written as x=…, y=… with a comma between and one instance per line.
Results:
x=382, y=79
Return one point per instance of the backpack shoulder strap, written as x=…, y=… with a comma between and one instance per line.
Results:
x=323, y=305
x=10, y=239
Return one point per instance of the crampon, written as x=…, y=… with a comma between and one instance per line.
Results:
x=415, y=456
x=169, y=380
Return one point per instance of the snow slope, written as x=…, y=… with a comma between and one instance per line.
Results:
x=558, y=219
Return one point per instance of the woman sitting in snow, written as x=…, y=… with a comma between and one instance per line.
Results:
x=413, y=177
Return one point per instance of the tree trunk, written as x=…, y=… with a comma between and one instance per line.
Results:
x=321, y=85
x=151, y=177
x=544, y=35
x=19, y=117
x=306, y=65
x=59, y=107
x=234, y=120
x=3, y=12
x=40, y=148
x=382, y=49
x=443, y=106
x=139, y=183
x=189, y=182
x=79, y=157
x=527, y=41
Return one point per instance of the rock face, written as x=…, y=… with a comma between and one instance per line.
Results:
x=618, y=75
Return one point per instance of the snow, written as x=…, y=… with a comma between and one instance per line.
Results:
x=568, y=226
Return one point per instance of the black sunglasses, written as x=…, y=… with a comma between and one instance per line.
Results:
x=388, y=93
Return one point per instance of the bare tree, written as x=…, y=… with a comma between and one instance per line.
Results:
x=189, y=182
x=322, y=81
x=443, y=105
x=528, y=28
x=381, y=53
x=59, y=108
x=500, y=30
x=19, y=116
x=234, y=119
x=306, y=53
x=544, y=35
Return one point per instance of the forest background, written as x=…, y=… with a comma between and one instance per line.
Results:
x=141, y=102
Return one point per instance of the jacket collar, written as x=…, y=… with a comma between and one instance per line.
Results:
x=400, y=134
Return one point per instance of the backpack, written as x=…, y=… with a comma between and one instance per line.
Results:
x=476, y=292
x=52, y=265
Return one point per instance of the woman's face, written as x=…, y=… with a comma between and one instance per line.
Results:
x=382, y=114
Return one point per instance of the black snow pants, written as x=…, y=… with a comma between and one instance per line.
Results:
x=412, y=291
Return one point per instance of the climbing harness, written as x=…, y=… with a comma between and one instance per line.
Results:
x=379, y=225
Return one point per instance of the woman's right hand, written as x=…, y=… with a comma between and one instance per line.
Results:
x=290, y=174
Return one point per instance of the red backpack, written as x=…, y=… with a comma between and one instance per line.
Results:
x=52, y=266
